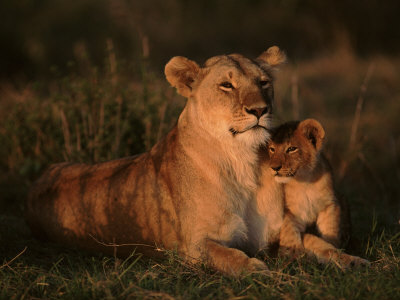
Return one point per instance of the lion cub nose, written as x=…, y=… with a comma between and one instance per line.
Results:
x=258, y=111
x=276, y=168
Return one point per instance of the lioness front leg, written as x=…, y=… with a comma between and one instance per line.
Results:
x=290, y=235
x=326, y=252
x=328, y=224
x=231, y=261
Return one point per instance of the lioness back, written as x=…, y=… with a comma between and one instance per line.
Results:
x=190, y=192
x=96, y=204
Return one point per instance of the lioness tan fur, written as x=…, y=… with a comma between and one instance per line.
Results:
x=194, y=191
x=296, y=161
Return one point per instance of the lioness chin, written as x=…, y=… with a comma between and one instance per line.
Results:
x=194, y=191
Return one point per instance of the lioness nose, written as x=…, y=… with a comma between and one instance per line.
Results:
x=276, y=168
x=258, y=111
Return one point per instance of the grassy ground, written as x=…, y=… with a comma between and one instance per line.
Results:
x=91, y=117
x=33, y=269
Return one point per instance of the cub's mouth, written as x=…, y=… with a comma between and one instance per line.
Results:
x=288, y=174
x=283, y=178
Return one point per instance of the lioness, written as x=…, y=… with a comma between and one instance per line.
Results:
x=194, y=191
x=296, y=161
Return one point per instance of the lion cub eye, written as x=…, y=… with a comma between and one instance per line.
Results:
x=291, y=149
x=226, y=86
x=271, y=149
x=264, y=84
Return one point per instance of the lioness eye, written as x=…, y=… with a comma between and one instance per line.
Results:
x=264, y=84
x=291, y=149
x=272, y=149
x=226, y=86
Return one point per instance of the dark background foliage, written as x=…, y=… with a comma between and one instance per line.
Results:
x=38, y=34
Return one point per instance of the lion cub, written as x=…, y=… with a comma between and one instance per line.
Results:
x=297, y=162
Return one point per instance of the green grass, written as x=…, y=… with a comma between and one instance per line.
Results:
x=90, y=117
x=45, y=270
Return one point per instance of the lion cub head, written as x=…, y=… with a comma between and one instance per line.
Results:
x=230, y=96
x=294, y=149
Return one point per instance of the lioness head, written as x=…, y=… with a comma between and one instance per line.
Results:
x=294, y=149
x=230, y=96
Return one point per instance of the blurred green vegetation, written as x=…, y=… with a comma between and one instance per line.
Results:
x=86, y=116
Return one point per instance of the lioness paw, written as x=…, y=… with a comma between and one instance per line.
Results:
x=291, y=242
x=251, y=265
x=256, y=265
x=293, y=252
x=347, y=261
x=358, y=261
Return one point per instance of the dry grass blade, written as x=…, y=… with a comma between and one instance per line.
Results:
x=295, y=97
x=360, y=103
x=122, y=245
x=7, y=264
x=67, y=134
x=112, y=62
x=356, y=121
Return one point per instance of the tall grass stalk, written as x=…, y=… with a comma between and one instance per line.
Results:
x=295, y=96
x=355, y=124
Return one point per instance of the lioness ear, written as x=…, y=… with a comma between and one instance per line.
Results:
x=273, y=56
x=181, y=73
x=313, y=131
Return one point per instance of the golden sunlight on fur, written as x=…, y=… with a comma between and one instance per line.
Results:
x=194, y=191
x=297, y=161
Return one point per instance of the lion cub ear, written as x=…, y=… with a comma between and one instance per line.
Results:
x=181, y=73
x=313, y=131
x=273, y=56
